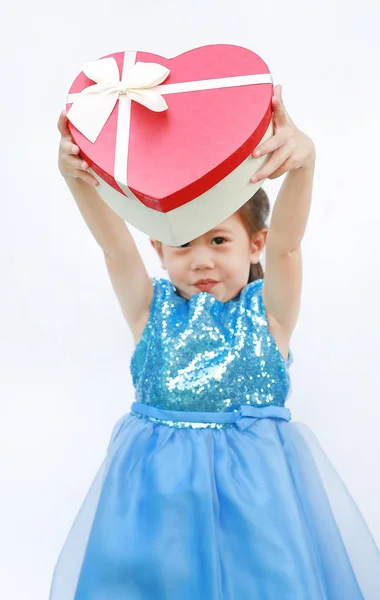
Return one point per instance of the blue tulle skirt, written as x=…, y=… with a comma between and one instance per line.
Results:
x=217, y=514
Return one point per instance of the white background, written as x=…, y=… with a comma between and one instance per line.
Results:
x=64, y=347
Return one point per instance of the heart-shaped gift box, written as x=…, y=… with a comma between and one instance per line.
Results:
x=171, y=140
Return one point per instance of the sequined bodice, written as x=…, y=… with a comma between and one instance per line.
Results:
x=205, y=355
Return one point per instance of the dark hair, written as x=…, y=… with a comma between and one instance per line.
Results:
x=254, y=214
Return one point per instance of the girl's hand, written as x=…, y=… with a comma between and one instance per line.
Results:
x=291, y=147
x=69, y=162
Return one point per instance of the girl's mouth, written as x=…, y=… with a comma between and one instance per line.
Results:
x=205, y=286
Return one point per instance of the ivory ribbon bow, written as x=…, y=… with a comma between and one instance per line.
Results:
x=94, y=105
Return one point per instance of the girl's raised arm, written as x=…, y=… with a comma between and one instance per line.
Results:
x=125, y=266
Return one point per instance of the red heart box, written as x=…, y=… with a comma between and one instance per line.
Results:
x=183, y=170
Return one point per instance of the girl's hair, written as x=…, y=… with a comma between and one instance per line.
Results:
x=254, y=214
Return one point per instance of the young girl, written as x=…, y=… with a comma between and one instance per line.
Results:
x=208, y=490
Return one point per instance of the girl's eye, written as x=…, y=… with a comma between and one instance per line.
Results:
x=220, y=241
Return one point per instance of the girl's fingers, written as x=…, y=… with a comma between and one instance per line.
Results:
x=88, y=178
x=274, y=163
x=281, y=116
x=277, y=92
x=81, y=174
x=283, y=169
x=70, y=164
x=67, y=143
x=68, y=157
x=69, y=147
x=62, y=125
x=77, y=164
x=270, y=145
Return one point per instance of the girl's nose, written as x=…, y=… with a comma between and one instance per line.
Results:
x=201, y=259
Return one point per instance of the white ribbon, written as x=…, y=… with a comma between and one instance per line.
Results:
x=93, y=106
x=141, y=82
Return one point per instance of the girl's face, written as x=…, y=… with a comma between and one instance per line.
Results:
x=223, y=254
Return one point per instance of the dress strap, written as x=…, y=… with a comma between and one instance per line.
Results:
x=242, y=417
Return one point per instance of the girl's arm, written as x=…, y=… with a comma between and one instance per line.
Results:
x=127, y=272
x=283, y=258
x=294, y=153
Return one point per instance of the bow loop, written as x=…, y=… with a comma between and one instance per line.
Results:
x=146, y=75
x=94, y=105
x=148, y=98
x=249, y=414
x=102, y=70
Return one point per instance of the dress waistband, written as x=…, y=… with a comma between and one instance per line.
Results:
x=242, y=417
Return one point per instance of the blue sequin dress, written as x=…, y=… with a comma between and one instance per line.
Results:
x=208, y=490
